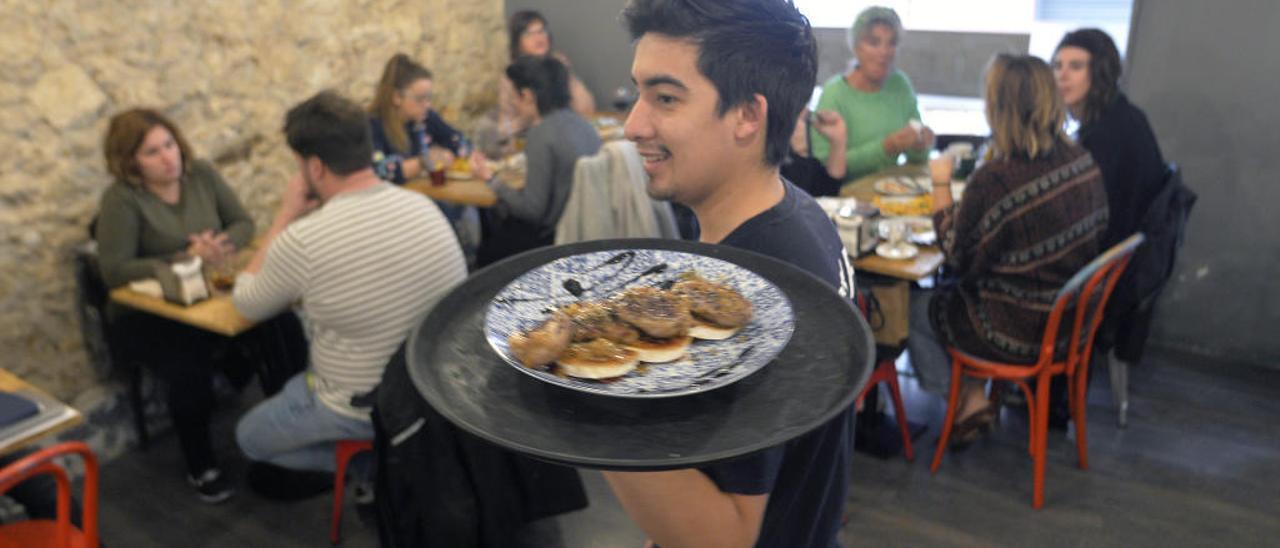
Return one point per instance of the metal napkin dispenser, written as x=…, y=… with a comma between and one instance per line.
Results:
x=182, y=281
x=857, y=227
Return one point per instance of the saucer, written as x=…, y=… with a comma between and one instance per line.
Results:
x=898, y=252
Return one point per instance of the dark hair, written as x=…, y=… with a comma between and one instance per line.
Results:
x=516, y=26
x=125, y=134
x=546, y=76
x=399, y=73
x=333, y=128
x=745, y=48
x=1104, y=69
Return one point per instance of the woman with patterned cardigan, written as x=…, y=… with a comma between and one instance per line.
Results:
x=1031, y=217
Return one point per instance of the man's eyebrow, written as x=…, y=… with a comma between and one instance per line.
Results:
x=663, y=79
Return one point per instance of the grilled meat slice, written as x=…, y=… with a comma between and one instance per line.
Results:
x=596, y=320
x=716, y=303
x=657, y=313
x=543, y=344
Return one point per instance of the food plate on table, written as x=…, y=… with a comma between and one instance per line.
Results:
x=920, y=229
x=900, y=251
x=902, y=186
x=604, y=276
x=816, y=374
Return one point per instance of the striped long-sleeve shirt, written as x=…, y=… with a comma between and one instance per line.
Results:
x=366, y=266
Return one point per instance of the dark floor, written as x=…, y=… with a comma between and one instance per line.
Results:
x=1199, y=464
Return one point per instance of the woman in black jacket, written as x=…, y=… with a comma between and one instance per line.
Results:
x=1086, y=67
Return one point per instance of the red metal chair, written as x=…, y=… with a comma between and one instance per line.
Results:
x=49, y=533
x=886, y=372
x=345, y=450
x=1080, y=293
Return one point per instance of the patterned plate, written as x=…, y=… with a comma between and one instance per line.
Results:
x=526, y=302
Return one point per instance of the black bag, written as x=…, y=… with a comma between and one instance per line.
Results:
x=437, y=485
x=1165, y=225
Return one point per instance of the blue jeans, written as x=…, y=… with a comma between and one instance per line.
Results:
x=294, y=430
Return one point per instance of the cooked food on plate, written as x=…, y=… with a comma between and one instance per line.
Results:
x=596, y=320
x=544, y=343
x=607, y=339
x=718, y=310
x=598, y=359
x=656, y=312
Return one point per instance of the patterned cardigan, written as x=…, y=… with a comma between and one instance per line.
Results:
x=1023, y=228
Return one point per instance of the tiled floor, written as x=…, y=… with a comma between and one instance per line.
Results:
x=1198, y=465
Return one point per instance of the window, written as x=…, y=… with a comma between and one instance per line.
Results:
x=1045, y=20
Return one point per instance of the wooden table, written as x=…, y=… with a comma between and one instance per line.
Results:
x=215, y=314
x=470, y=191
x=917, y=268
x=54, y=416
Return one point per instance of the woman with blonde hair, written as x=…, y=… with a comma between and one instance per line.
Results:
x=166, y=203
x=410, y=139
x=876, y=100
x=1031, y=216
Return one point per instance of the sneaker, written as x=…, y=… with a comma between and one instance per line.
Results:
x=212, y=486
x=362, y=493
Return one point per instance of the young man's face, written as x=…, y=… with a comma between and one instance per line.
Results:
x=686, y=146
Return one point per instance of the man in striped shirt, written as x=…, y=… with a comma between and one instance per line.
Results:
x=366, y=259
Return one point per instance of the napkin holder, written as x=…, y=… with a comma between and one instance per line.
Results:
x=182, y=281
x=857, y=227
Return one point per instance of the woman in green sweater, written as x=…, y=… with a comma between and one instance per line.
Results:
x=165, y=203
x=876, y=101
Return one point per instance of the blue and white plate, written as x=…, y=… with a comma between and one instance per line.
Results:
x=528, y=300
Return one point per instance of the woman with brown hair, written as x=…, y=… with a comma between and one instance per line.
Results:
x=166, y=203
x=529, y=34
x=1087, y=70
x=1031, y=216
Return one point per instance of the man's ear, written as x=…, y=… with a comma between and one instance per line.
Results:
x=752, y=117
x=315, y=168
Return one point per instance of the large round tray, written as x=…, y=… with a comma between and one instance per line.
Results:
x=815, y=377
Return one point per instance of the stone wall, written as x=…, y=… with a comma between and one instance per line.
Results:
x=226, y=71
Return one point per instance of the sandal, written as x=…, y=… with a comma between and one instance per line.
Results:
x=968, y=430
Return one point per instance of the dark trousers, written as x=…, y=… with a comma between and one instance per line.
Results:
x=185, y=359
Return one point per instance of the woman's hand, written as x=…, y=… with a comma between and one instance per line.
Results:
x=831, y=125
x=900, y=141
x=940, y=169
x=210, y=246
x=439, y=158
x=480, y=167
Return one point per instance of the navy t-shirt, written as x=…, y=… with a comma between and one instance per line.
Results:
x=806, y=478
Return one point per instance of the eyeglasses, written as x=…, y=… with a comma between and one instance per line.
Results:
x=422, y=99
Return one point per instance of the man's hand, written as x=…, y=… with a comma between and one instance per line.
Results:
x=296, y=201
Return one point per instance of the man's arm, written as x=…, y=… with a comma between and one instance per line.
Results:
x=684, y=508
x=261, y=296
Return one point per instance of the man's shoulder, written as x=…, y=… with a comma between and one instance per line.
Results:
x=798, y=233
